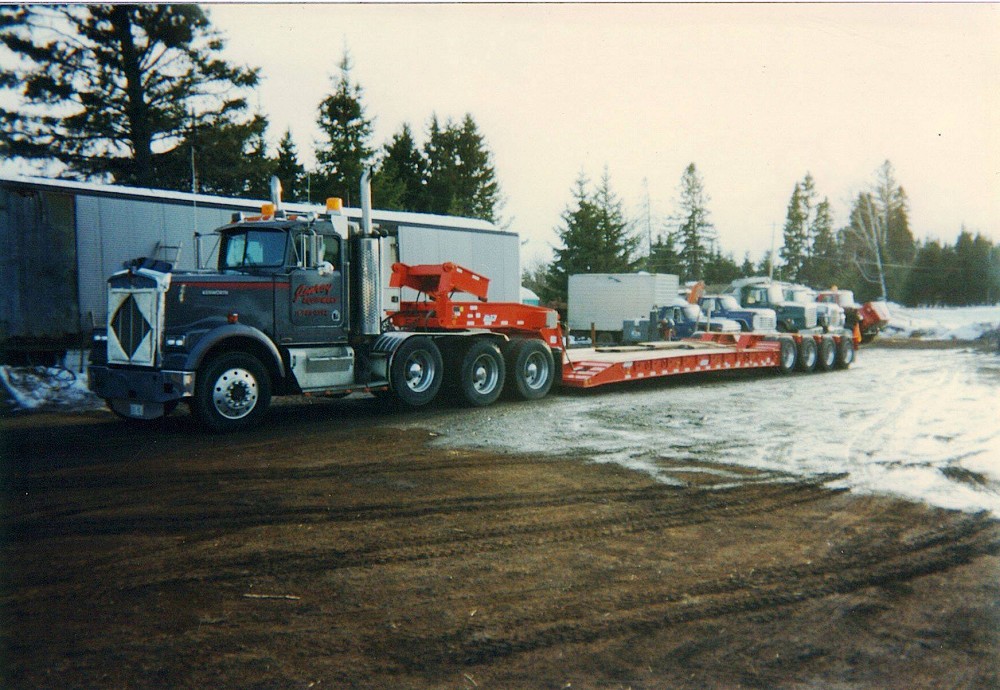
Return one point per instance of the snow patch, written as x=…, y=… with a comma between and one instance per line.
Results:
x=941, y=323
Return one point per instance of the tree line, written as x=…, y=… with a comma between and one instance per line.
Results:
x=141, y=95
x=874, y=253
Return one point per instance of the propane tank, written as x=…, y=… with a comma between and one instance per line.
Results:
x=368, y=262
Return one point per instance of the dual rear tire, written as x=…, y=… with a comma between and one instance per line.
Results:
x=479, y=371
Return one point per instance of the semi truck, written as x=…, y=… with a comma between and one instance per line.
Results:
x=295, y=304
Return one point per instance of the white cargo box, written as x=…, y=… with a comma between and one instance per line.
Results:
x=608, y=299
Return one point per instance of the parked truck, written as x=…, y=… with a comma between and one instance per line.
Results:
x=295, y=305
x=870, y=318
x=759, y=319
x=599, y=303
x=674, y=322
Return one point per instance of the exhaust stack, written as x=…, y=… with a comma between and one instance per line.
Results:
x=276, y=193
x=368, y=260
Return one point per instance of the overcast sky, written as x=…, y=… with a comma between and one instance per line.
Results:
x=754, y=95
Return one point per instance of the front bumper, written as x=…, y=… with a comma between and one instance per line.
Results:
x=139, y=385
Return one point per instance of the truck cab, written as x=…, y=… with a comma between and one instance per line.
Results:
x=674, y=322
x=749, y=318
x=829, y=315
x=756, y=293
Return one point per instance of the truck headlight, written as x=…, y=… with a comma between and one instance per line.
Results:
x=177, y=341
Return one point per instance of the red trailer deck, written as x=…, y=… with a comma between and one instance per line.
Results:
x=587, y=368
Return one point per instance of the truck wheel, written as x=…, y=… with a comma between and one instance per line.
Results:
x=787, y=356
x=807, y=354
x=827, y=354
x=845, y=353
x=232, y=392
x=530, y=369
x=416, y=371
x=481, y=373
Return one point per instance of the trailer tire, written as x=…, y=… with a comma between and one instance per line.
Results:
x=845, y=353
x=481, y=374
x=827, y=354
x=530, y=368
x=807, y=354
x=416, y=371
x=788, y=356
x=232, y=392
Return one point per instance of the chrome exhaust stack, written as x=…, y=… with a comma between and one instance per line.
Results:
x=368, y=263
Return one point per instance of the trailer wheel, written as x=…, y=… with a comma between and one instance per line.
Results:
x=807, y=354
x=845, y=353
x=530, y=368
x=827, y=354
x=481, y=373
x=232, y=392
x=416, y=371
x=788, y=356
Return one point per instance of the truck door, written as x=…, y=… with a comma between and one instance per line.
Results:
x=316, y=310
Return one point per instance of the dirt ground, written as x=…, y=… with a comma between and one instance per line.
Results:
x=331, y=549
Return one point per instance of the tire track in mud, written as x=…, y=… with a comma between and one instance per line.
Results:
x=876, y=563
x=686, y=509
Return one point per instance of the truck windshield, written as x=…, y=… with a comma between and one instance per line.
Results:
x=728, y=304
x=252, y=249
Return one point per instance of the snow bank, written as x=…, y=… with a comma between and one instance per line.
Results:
x=60, y=387
x=941, y=323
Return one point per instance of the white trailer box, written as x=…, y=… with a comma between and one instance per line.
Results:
x=608, y=299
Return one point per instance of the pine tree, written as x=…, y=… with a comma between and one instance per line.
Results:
x=112, y=91
x=345, y=152
x=290, y=171
x=595, y=239
x=663, y=255
x=794, y=251
x=460, y=176
x=823, y=264
x=401, y=175
x=696, y=233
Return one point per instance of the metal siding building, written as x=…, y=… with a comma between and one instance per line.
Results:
x=60, y=240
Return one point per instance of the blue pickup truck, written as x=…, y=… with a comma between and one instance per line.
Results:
x=749, y=318
x=673, y=322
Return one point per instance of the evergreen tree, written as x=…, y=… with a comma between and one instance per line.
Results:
x=345, y=152
x=460, y=176
x=112, y=91
x=663, y=255
x=696, y=233
x=747, y=269
x=402, y=173
x=595, y=239
x=720, y=268
x=290, y=171
x=822, y=267
x=795, y=249
x=926, y=280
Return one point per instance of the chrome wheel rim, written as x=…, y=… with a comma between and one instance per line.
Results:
x=235, y=393
x=536, y=370
x=485, y=374
x=419, y=371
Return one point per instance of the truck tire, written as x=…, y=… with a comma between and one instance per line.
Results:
x=807, y=354
x=232, y=392
x=788, y=356
x=827, y=354
x=845, y=353
x=416, y=371
x=530, y=368
x=481, y=373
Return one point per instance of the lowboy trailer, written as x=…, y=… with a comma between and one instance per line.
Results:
x=295, y=305
x=711, y=352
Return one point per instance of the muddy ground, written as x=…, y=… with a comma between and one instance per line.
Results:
x=331, y=548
